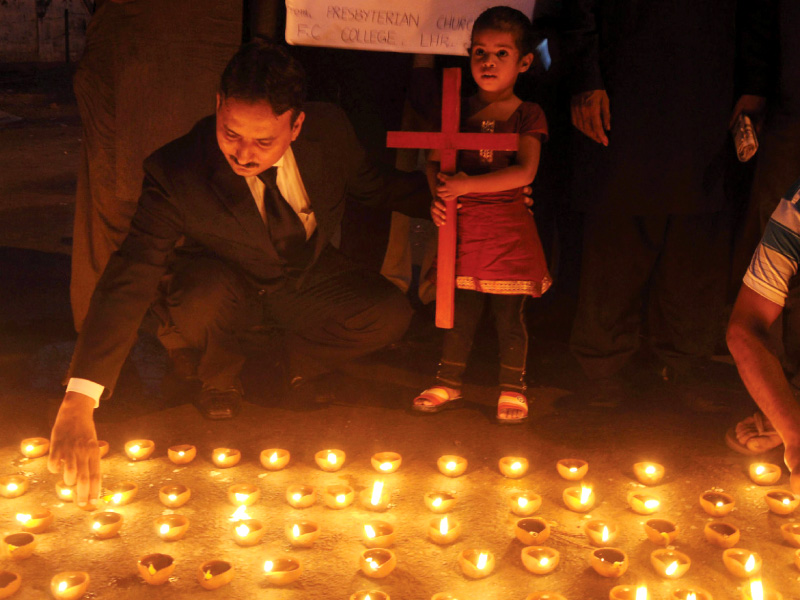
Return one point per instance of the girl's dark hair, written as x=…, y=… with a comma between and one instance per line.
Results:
x=507, y=19
x=263, y=71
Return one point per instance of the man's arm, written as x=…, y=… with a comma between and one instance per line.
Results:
x=761, y=371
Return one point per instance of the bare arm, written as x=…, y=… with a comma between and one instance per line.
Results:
x=761, y=371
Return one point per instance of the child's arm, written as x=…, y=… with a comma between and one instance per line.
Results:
x=517, y=175
x=432, y=171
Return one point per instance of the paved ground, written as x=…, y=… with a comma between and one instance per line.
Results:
x=37, y=163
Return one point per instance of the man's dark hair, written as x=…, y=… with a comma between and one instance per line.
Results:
x=262, y=71
x=507, y=19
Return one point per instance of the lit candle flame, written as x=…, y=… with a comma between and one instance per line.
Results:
x=387, y=466
x=650, y=470
x=181, y=453
x=691, y=596
x=369, y=531
x=522, y=501
x=12, y=487
x=22, y=518
x=443, y=526
x=208, y=574
x=573, y=469
x=29, y=448
x=437, y=502
x=242, y=530
x=268, y=566
x=516, y=466
x=97, y=525
x=604, y=537
x=374, y=563
x=483, y=558
x=756, y=590
x=164, y=529
x=760, y=469
x=544, y=561
x=585, y=493
x=221, y=456
x=296, y=496
x=273, y=457
x=673, y=566
x=241, y=498
x=116, y=498
x=750, y=564
x=377, y=490
x=451, y=466
x=135, y=448
x=641, y=593
x=651, y=504
x=786, y=501
x=295, y=531
x=720, y=504
x=62, y=586
x=240, y=514
x=66, y=492
x=341, y=498
x=332, y=458
x=172, y=497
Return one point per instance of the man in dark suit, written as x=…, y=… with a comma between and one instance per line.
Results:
x=240, y=213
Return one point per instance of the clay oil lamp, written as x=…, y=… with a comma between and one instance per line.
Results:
x=600, y=533
x=532, y=531
x=579, y=499
x=302, y=534
x=572, y=469
x=9, y=584
x=476, y=564
x=370, y=595
x=375, y=498
x=648, y=473
x=741, y=563
x=282, y=571
x=248, y=532
x=34, y=447
x=540, y=560
x=717, y=504
x=106, y=524
x=643, y=503
x=524, y=504
x=243, y=494
x=721, y=534
x=690, y=593
x=65, y=493
x=174, y=495
x=214, y=574
x=19, y=546
x=661, y=531
x=156, y=569
x=171, y=528
x=37, y=520
x=451, y=465
x=440, y=502
x=781, y=502
x=443, y=596
x=330, y=460
x=182, y=454
x=338, y=496
x=386, y=462
x=377, y=562
x=670, y=563
x=69, y=585
x=121, y=494
x=13, y=486
x=378, y=534
x=609, y=562
x=545, y=596
x=274, y=459
x=301, y=496
x=444, y=530
x=790, y=532
x=513, y=467
x=102, y=448
x=139, y=449
x=756, y=591
x=764, y=473
x=225, y=458
x=628, y=592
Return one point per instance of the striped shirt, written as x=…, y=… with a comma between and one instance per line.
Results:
x=775, y=261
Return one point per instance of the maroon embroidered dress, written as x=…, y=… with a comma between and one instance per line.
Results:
x=499, y=251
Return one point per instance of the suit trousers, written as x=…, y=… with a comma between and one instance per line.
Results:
x=677, y=262
x=329, y=319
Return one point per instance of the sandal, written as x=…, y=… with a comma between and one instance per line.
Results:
x=509, y=401
x=437, y=399
x=758, y=434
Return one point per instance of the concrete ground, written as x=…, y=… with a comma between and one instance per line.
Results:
x=38, y=159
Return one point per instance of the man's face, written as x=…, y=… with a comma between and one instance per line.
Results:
x=251, y=136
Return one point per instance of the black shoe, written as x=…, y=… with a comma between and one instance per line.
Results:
x=218, y=405
x=311, y=391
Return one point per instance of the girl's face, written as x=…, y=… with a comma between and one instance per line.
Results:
x=495, y=60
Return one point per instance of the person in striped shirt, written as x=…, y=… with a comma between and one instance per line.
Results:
x=772, y=274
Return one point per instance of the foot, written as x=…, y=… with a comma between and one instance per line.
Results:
x=217, y=405
x=436, y=399
x=303, y=390
x=753, y=435
x=512, y=407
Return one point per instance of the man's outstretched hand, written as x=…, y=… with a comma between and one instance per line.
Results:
x=73, y=445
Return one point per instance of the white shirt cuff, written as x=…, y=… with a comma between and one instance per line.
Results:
x=87, y=388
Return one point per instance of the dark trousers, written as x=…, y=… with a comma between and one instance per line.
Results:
x=512, y=334
x=330, y=319
x=679, y=261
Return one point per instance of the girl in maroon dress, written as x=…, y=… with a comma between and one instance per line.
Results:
x=499, y=256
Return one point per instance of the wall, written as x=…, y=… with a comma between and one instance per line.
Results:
x=25, y=37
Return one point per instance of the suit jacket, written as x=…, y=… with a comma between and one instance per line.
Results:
x=193, y=200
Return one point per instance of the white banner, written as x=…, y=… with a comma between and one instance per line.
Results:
x=414, y=26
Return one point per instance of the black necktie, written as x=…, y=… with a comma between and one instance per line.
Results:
x=286, y=230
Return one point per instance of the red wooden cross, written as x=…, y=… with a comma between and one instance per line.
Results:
x=448, y=141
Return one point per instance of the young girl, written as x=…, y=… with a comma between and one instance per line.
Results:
x=499, y=255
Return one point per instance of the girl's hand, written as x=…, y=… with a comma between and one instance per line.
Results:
x=450, y=187
x=438, y=212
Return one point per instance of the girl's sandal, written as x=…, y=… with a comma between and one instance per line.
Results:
x=437, y=399
x=509, y=401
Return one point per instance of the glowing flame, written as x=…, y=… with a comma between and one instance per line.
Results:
x=295, y=531
x=720, y=504
x=151, y=569
x=242, y=530
x=522, y=501
x=62, y=586
x=760, y=469
x=221, y=456
x=544, y=561
x=241, y=498
x=786, y=501
x=516, y=465
x=651, y=503
x=673, y=566
x=181, y=453
x=650, y=470
x=377, y=490
x=66, y=492
x=29, y=448
x=451, y=466
x=332, y=458
x=172, y=497
x=437, y=502
x=240, y=514
x=585, y=493
x=268, y=566
x=273, y=457
x=691, y=596
x=164, y=529
x=641, y=593
x=369, y=531
x=296, y=496
x=483, y=558
x=12, y=487
x=341, y=498
x=573, y=469
x=443, y=526
x=135, y=448
x=604, y=536
x=750, y=564
x=23, y=518
x=96, y=525
x=208, y=574
x=756, y=590
x=387, y=466
x=116, y=498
